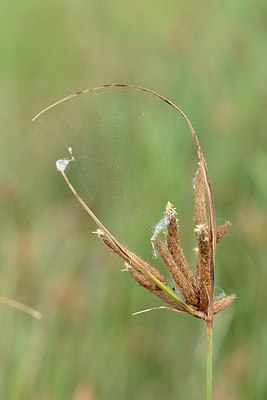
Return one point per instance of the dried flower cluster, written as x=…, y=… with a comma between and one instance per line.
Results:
x=190, y=293
x=194, y=291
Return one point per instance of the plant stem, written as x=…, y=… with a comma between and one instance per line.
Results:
x=19, y=306
x=209, y=360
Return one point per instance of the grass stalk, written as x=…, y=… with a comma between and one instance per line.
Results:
x=209, y=360
x=20, y=306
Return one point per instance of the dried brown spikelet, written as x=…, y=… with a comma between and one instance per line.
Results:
x=131, y=259
x=221, y=304
x=137, y=261
x=167, y=299
x=142, y=272
x=153, y=288
x=203, y=266
x=222, y=231
x=112, y=245
x=143, y=280
x=174, y=245
x=200, y=199
x=181, y=281
x=132, y=262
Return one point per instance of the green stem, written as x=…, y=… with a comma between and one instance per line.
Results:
x=209, y=360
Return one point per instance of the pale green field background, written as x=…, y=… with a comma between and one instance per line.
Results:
x=210, y=58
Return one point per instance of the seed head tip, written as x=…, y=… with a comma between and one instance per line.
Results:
x=170, y=210
x=99, y=232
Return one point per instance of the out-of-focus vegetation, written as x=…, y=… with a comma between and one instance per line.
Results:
x=209, y=58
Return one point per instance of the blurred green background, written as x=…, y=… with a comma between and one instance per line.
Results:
x=209, y=58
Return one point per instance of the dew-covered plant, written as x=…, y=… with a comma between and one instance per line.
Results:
x=190, y=293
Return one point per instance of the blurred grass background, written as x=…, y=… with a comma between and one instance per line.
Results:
x=208, y=57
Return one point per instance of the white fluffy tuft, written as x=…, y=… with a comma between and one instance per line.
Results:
x=62, y=164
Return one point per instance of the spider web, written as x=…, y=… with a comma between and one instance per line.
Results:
x=132, y=155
